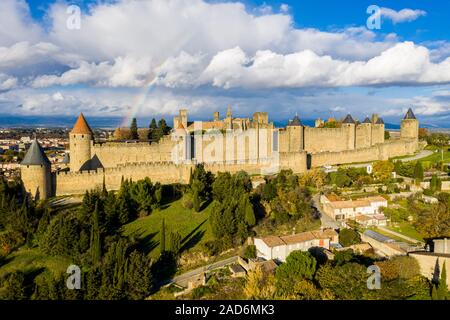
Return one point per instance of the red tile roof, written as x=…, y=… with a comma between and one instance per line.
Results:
x=81, y=126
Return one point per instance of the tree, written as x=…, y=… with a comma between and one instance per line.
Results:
x=399, y=267
x=382, y=170
x=433, y=222
x=153, y=124
x=442, y=289
x=13, y=287
x=259, y=286
x=418, y=171
x=347, y=282
x=299, y=265
x=134, y=129
x=247, y=210
x=340, y=178
x=139, y=277
x=435, y=183
x=348, y=237
x=162, y=237
x=387, y=135
x=95, y=247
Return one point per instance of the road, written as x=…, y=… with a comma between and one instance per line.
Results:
x=420, y=155
x=399, y=235
x=326, y=220
x=183, y=278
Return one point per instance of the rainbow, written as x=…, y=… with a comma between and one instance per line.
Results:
x=138, y=101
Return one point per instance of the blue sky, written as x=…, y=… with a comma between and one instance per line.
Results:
x=150, y=58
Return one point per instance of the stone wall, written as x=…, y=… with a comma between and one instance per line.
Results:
x=326, y=139
x=111, y=154
x=166, y=173
x=431, y=264
x=78, y=182
x=364, y=135
x=389, y=149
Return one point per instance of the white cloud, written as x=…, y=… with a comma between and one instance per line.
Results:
x=23, y=53
x=404, y=15
x=16, y=24
x=404, y=63
x=126, y=71
x=284, y=7
x=186, y=48
x=7, y=82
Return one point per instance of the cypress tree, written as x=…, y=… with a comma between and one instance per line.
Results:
x=418, y=171
x=442, y=290
x=434, y=294
x=134, y=129
x=196, y=201
x=153, y=124
x=104, y=191
x=248, y=211
x=162, y=241
x=95, y=247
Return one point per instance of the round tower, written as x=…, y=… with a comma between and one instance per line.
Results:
x=80, y=139
x=35, y=171
x=410, y=126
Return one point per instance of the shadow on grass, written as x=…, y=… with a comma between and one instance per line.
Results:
x=193, y=231
x=194, y=237
x=147, y=243
x=205, y=205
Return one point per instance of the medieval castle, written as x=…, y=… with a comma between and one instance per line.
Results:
x=231, y=144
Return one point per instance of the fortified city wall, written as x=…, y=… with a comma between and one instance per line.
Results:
x=165, y=172
x=384, y=151
x=112, y=154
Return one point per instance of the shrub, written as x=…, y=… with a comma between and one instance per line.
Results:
x=250, y=252
x=347, y=237
x=187, y=202
x=213, y=247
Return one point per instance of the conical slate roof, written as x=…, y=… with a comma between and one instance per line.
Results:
x=35, y=155
x=409, y=114
x=295, y=122
x=348, y=119
x=81, y=126
x=367, y=120
x=380, y=121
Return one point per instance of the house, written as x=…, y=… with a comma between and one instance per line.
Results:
x=278, y=248
x=371, y=220
x=365, y=211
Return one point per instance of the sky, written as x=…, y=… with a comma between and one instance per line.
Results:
x=149, y=58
